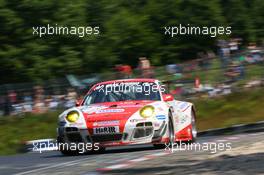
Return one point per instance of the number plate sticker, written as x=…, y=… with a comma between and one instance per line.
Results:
x=106, y=130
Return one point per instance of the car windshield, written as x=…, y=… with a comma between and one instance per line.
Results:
x=123, y=92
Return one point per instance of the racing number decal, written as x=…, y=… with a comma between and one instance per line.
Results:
x=106, y=130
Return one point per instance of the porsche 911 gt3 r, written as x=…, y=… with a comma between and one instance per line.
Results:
x=123, y=112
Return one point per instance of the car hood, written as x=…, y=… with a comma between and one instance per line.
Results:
x=112, y=110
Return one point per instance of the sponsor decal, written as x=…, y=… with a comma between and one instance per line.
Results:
x=76, y=124
x=161, y=117
x=110, y=111
x=107, y=123
x=183, y=105
x=137, y=120
x=157, y=104
x=131, y=106
x=106, y=130
x=93, y=109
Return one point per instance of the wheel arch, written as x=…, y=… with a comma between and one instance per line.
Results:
x=194, y=111
x=170, y=117
x=170, y=114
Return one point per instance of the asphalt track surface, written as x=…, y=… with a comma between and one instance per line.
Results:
x=246, y=156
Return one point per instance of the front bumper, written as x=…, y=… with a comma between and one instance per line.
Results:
x=142, y=133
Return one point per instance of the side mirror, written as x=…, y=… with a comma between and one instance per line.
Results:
x=167, y=97
x=78, y=103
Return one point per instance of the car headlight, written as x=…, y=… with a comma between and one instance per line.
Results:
x=72, y=116
x=147, y=111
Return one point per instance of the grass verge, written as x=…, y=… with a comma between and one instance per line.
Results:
x=236, y=108
x=17, y=129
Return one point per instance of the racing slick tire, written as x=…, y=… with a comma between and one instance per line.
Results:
x=68, y=152
x=65, y=151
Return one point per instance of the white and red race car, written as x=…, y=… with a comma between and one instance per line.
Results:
x=124, y=112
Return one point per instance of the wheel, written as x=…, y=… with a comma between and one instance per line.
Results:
x=64, y=148
x=68, y=152
x=159, y=146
